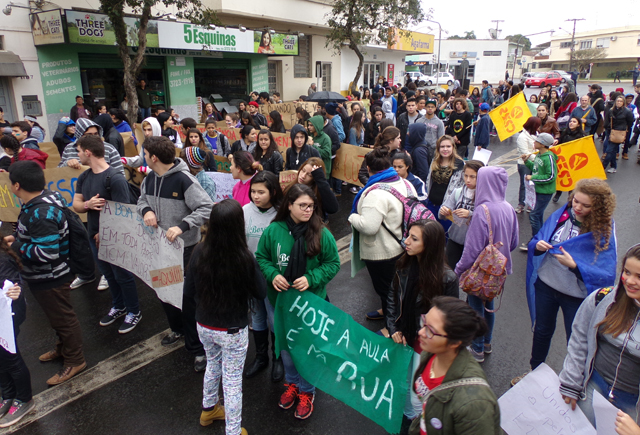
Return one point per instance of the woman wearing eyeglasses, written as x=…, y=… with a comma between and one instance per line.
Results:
x=453, y=388
x=297, y=253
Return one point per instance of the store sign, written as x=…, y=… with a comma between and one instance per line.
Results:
x=411, y=41
x=260, y=74
x=462, y=54
x=390, y=70
x=96, y=29
x=277, y=43
x=61, y=80
x=47, y=27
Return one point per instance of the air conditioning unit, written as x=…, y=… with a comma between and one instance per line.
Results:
x=613, y=38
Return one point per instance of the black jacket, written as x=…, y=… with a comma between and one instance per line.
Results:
x=110, y=133
x=273, y=163
x=403, y=125
x=328, y=200
x=61, y=139
x=567, y=135
x=371, y=131
x=363, y=173
x=621, y=119
x=295, y=160
x=331, y=131
x=458, y=126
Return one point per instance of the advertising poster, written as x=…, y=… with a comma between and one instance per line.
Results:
x=275, y=43
x=91, y=28
x=47, y=27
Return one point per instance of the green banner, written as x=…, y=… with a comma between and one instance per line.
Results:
x=343, y=358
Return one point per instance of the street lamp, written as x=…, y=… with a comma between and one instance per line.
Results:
x=515, y=57
x=439, y=45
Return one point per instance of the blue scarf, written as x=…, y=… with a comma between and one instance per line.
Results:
x=596, y=272
x=387, y=176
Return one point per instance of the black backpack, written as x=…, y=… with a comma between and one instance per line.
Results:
x=134, y=191
x=80, y=254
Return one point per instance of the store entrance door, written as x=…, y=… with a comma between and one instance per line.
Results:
x=5, y=101
x=371, y=72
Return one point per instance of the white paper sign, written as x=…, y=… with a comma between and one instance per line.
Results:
x=605, y=414
x=535, y=407
x=530, y=194
x=127, y=242
x=224, y=184
x=483, y=155
x=7, y=337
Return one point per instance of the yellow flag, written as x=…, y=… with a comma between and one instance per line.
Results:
x=577, y=160
x=510, y=116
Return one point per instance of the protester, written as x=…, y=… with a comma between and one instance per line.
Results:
x=585, y=114
x=298, y=234
x=150, y=127
x=525, y=145
x=277, y=125
x=210, y=113
x=267, y=153
x=65, y=134
x=407, y=118
x=378, y=216
x=459, y=126
x=109, y=132
x=402, y=164
x=172, y=199
x=21, y=130
x=247, y=141
x=258, y=118
x=493, y=219
x=422, y=274
x=266, y=197
x=300, y=151
x=37, y=131
x=80, y=110
x=14, y=151
x=195, y=140
x=216, y=142
x=619, y=118
x=563, y=114
x=3, y=122
x=302, y=116
x=312, y=174
x=332, y=114
x=222, y=278
x=547, y=123
x=470, y=408
x=373, y=127
x=435, y=127
x=320, y=140
x=166, y=124
x=460, y=203
x=389, y=138
x=247, y=119
x=196, y=159
x=356, y=129
x=560, y=272
x=43, y=247
x=232, y=120
x=243, y=167
x=483, y=129
x=601, y=355
x=121, y=123
x=96, y=185
x=69, y=156
x=572, y=132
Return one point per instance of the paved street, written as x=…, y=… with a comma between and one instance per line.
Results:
x=134, y=385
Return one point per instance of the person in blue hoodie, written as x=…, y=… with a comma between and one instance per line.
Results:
x=336, y=120
x=483, y=127
x=419, y=150
x=65, y=133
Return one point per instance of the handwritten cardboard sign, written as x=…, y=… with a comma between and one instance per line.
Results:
x=347, y=163
x=287, y=178
x=127, y=242
x=224, y=184
x=130, y=149
x=54, y=156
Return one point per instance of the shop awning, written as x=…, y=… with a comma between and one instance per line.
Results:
x=11, y=65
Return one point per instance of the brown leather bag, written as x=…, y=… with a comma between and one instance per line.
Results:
x=617, y=136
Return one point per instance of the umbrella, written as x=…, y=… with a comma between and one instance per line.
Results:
x=326, y=97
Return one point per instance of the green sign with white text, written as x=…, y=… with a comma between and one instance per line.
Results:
x=342, y=358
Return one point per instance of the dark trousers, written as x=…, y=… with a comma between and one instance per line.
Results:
x=381, y=273
x=612, y=149
x=56, y=304
x=454, y=253
x=523, y=171
x=536, y=217
x=15, y=379
x=184, y=321
x=548, y=301
x=122, y=284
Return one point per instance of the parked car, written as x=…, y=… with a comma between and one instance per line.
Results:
x=525, y=76
x=542, y=79
x=443, y=77
x=565, y=75
x=419, y=78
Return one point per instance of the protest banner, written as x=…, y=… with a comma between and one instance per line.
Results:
x=535, y=406
x=287, y=178
x=288, y=111
x=54, y=156
x=61, y=180
x=130, y=149
x=125, y=241
x=139, y=134
x=7, y=336
x=222, y=164
x=224, y=184
x=510, y=116
x=577, y=160
x=347, y=163
x=343, y=358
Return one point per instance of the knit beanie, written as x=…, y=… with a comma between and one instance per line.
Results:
x=195, y=156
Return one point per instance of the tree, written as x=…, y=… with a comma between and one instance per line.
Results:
x=467, y=35
x=582, y=58
x=526, y=42
x=360, y=22
x=189, y=9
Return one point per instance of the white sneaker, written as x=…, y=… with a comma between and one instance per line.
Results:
x=79, y=282
x=524, y=247
x=611, y=170
x=103, y=284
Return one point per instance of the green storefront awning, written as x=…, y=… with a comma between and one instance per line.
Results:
x=11, y=65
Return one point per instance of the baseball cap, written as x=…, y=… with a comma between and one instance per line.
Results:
x=484, y=107
x=545, y=139
x=431, y=102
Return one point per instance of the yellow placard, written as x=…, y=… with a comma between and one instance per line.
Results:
x=510, y=116
x=577, y=160
x=411, y=41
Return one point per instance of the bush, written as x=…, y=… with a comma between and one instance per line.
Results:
x=623, y=74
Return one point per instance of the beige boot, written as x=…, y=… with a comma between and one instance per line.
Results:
x=208, y=417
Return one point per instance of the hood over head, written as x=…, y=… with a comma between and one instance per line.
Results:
x=318, y=123
x=155, y=125
x=491, y=185
x=104, y=120
x=163, y=117
x=298, y=129
x=82, y=124
x=416, y=135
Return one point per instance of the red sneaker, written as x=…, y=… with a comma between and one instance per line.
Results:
x=288, y=398
x=305, y=405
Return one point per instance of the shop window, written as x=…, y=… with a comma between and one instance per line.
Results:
x=471, y=72
x=302, y=62
x=273, y=77
x=492, y=53
x=31, y=106
x=565, y=44
x=326, y=76
x=585, y=44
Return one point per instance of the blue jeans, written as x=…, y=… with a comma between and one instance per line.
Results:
x=548, y=301
x=522, y=171
x=145, y=112
x=479, y=306
x=612, y=149
x=337, y=185
x=537, y=214
x=621, y=400
x=291, y=374
x=122, y=285
x=259, y=315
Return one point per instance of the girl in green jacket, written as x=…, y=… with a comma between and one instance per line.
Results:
x=297, y=253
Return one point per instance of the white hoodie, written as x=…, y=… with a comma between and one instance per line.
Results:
x=137, y=161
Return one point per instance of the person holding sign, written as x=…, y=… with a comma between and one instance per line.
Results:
x=15, y=378
x=573, y=132
x=223, y=277
x=468, y=407
x=297, y=253
x=422, y=274
x=603, y=353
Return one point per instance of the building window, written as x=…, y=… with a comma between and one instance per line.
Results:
x=31, y=106
x=2, y=42
x=565, y=44
x=302, y=62
x=492, y=53
x=602, y=42
x=585, y=44
x=509, y=65
x=638, y=39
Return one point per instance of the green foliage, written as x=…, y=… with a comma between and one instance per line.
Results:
x=467, y=35
x=526, y=42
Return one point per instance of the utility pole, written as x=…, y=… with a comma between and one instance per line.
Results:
x=497, y=24
x=573, y=38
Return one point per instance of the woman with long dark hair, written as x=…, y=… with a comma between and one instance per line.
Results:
x=422, y=274
x=247, y=141
x=618, y=117
x=247, y=119
x=356, y=129
x=302, y=116
x=276, y=122
x=312, y=173
x=297, y=233
x=223, y=277
x=389, y=138
x=14, y=152
x=563, y=114
x=243, y=167
x=267, y=153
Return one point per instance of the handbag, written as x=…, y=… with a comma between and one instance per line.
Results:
x=486, y=277
x=617, y=136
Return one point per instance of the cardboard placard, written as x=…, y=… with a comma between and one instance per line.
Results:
x=287, y=178
x=130, y=149
x=54, y=156
x=347, y=163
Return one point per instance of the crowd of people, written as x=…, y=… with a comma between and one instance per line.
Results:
x=265, y=241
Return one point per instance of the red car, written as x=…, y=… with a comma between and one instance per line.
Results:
x=542, y=79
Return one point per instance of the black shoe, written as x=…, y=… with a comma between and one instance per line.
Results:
x=556, y=197
x=277, y=368
x=261, y=340
x=200, y=363
x=171, y=338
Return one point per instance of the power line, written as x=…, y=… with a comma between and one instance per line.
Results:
x=573, y=38
x=497, y=29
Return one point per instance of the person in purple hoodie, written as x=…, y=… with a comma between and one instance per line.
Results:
x=491, y=189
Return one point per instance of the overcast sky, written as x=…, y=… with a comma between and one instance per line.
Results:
x=521, y=17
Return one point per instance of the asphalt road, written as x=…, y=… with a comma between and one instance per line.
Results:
x=135, y=385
